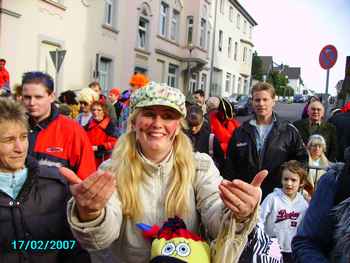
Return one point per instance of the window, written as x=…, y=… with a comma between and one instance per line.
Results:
x=245, y=27
x=174, y=26
x=193, y=82
x=172, y=75
x=228, y=82
x=229, y=47
x=164, y=13
x=140, y=69
x=204, y=82
x=249, y=58
x=109, y=12
x=220, y=39
x=234, y=84
x=238, y=21
x=231, y=14
x=222, y=6
x=189, y=30
x=202, y=40
x=250, y=32
x=105, y=74
x=143, y=33
x=244, y=54
x=236, y=51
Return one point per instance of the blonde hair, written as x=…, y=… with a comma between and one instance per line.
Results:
x=264, y=86
x=125, y=157
x=88, y=95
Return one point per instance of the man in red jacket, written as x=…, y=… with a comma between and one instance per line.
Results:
x=4, y=79
x=54, y=139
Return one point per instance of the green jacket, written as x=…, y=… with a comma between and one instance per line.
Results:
x=325, y=129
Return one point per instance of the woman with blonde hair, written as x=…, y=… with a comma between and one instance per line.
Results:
x=153, y=175
x=318, y=162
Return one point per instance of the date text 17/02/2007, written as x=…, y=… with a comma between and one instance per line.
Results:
x=43, y=245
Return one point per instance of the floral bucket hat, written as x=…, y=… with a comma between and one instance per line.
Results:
x=155, y=94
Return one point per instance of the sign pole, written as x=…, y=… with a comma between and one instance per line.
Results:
x=326, y=102
x=56, y=78
x=327, y=59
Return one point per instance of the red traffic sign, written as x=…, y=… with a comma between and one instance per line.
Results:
x=328, y=57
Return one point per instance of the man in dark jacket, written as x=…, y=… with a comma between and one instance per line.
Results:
x=264, y=142
x=33, y=200
x=324, y=234
x=341, y=121
x=315, y=124
x=54, y=139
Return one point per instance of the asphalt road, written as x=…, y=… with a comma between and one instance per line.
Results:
x=291, y=112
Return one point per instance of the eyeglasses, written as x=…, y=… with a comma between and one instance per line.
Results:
x=83, y=103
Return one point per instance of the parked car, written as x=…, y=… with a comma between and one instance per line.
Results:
x=243, y=106
x=299, y=98
x=233, y=98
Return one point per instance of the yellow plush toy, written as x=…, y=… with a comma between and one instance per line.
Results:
x=173, y=243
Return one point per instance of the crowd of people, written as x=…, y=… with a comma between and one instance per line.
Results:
x=90, y=168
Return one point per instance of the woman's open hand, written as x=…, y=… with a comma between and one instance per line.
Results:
x=92, y=194
x=240, y=197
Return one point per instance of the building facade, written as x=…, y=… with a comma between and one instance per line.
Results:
x=109, y=40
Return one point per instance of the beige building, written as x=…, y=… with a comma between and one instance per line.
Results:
x=108, y=40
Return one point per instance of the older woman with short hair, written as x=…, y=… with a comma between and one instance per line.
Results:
x=33, y=199
x=318, y=162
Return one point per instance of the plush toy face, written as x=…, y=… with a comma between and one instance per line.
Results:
x=183, y=249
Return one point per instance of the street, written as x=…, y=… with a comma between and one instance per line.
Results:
x=290, y=112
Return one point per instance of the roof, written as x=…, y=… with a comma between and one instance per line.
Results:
x=244, y=12
x=292, y=72
x=266, y=63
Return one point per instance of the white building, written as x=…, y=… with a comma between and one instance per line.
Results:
x=109, y=40
x=233, y=49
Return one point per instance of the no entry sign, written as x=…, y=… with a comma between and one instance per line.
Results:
x=328, y=56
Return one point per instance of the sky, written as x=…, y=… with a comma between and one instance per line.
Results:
x=295, y=31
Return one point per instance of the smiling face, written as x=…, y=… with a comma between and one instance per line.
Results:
x=263, y=103
x=13, y=146
x=290, y=183
x=156, y=128
x=37, y=100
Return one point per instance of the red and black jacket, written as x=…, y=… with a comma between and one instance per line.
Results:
x=61, y=141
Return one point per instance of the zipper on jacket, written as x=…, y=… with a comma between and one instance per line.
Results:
x=253, y=139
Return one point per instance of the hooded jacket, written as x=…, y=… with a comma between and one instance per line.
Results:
x=280, y=216
x=38, y=213
x=282, y=144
